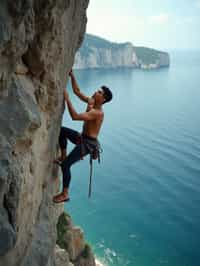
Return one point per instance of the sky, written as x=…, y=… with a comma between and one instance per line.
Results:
x=159, y=24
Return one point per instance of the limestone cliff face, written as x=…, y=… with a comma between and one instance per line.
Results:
x=100, y=53
x=38, y=41
x=107, y=58
x=97, y=52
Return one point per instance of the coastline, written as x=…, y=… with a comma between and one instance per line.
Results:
x=99, y=263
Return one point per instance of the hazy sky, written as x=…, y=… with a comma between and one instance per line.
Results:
x=161, y=24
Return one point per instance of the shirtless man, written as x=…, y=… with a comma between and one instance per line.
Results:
x=86, y=142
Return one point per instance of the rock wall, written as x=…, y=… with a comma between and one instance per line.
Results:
x=122, y=56
x=38, y=41
x=71, y=244
x=96, y=52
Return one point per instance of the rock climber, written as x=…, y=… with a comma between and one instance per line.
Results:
x=87, y=141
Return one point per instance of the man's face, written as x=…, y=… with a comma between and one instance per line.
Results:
x=99, y=96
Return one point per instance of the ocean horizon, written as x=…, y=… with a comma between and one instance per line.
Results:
x=144, y=209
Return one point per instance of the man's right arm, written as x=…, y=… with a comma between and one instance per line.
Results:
x=86, y=116
x=76, y=89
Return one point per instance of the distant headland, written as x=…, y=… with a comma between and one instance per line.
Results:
x=97, y=52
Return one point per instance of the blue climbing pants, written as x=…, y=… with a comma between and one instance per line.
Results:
x=75, y=155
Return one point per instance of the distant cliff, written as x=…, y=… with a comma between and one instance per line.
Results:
x=150, y=58
x=97, y=52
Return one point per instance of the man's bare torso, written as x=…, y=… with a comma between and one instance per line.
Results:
x=92, y=128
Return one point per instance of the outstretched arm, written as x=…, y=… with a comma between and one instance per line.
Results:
x=91, y=115
x=76, y=88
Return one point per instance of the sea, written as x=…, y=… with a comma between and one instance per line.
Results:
x=145, y=203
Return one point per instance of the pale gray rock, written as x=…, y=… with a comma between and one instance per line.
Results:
x=107, y=57
x=71, y=239
x=38, y=41
x=97, y=52
x=61, y=257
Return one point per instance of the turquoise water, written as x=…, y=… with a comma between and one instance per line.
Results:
x=144, y=209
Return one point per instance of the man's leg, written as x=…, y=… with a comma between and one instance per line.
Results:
x=75, y=155
x=66, y=134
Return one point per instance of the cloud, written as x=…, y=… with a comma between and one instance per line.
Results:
x=159, y=19
x=110, y=27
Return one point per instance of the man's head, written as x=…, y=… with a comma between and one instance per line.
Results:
x=107, y=94
x=103, y=95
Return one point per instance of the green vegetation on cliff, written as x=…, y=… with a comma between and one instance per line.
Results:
x=62, y=227
x=71, y=240
x=147, y=55
x=92, y=41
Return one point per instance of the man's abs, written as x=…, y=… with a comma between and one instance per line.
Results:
x=92, y=128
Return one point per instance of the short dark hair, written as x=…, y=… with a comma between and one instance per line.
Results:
x=107, y=94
